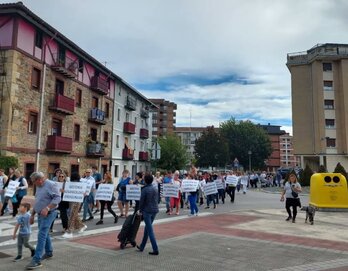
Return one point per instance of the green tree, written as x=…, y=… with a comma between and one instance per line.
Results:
x=305, y=176
x=173, y=153
x=244, y=136
x=340, y=169
x=211, y=149
x=8, y=161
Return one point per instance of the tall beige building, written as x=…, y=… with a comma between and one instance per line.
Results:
x=319, y=87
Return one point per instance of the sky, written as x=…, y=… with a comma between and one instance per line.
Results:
x=215, y=59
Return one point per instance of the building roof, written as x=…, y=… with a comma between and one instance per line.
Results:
x=20, y=9
x=273, y=129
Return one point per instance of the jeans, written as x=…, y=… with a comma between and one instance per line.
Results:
x=193, y=205
x=86, y=202
x=43, y=237
x=148, y=231
x=221, y=193
x=211, y=198
x=23, y=239
x=231, y=191
x=167, y=203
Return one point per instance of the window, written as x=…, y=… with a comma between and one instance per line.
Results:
x=106, y=137
x=116, y=170
x=107, y=110
x=56, y=127
x=327, y=67
x=118, y=114
x=94, y=134
x=38, y=38
x=117, y=141
x=29, y=169
x=127, y=117
x=328, y=85
x=329, y=104
x=135, y=121
x=94, y=102
x=119, y=91
x=80, y=69
x=59, y=87
x=135, y=144
x=329, y=123
x=35, y=78
x=78, y=97
x=77, y=132
x=32, y=123
x=331, y=142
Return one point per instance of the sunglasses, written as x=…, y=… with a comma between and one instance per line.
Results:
x=88, y=172
x=61, y=176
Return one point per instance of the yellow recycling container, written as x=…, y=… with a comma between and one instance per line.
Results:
x=328, y=190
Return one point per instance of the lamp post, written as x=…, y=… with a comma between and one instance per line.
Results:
x=249, y=153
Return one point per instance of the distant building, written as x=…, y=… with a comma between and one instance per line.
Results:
x=287, y=157
x=319, y=89
x=164, y=119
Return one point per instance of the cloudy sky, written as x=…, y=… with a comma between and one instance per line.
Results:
x=215, y=58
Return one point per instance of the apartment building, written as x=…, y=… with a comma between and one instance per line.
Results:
x=319, y=89
x=164, y=118
x=287, y=157
x=58, y=103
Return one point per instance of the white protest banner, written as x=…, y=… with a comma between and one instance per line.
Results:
x=74, y=191
x=189, y=185
x=105, y=192
x=171, y=190
x=1, y=183
x=210, y=188
x=11, y=189
x=232, y=180
x=60, y=187
x=133, y=192
x=219, y=184
x=89, y=184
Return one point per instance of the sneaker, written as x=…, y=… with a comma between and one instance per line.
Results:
x=83, y=229
x=46, y=257
x=90, y=218
x=288, y=219
x=33, y=265
x=67, y=235
x=96, y=211
x=177, y=213
x=116, y=219
x=32, y=252
x=207, y=207
x=99, y=222
x=197, y=213
x=18, y=258
x=190, y=215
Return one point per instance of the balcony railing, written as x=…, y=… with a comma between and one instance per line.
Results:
x=131, y=103
x=144, y=113
x=100, y=85
x=128, y=154
x=63, y=104
x=129, y=128
x=65, y=66
x=95, y=149
x=97, y=116
x=59, y=144
x=143, y=156
x=144, y=133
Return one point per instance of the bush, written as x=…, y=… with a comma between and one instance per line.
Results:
x=305, y=177
x=8, y=161
x=322, y=169
x=340, y=169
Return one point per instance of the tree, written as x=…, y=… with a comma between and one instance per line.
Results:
x=244, y=136
x=211, y=149
x=173, y=153
x=322, y=169
x=340, y=169
x=305, y=177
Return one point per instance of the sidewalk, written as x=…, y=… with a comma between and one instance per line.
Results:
x=240, y=240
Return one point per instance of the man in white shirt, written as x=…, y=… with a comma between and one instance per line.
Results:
x=88, y=201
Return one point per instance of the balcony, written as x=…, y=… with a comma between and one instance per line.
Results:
x=97, y=116
x=100, y=85
x=59, y=144
x=63, y=104
x=131, y=103
x=144, y=133
x=144, y=113
x=143, y=156
x=129, y=128
x=66, y=66
x=127, y=154
x=95, y=149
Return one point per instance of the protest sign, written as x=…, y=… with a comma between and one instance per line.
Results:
x=11, y=189
x=60, y=187
x=210, y=188
x=105, y=192
x=89, y=184
x=219, y=184
x=74, y=191
x=171, y=190
x=232, y=180
x=133, y=192
x=189, y=185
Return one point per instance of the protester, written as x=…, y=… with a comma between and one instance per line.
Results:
x=148, y=208
x=192, y=197
x=291, y=189
x=21, y=190
x=3, y=184
x=168, y=179
x=88, y=200
x=98, y=180
x=175, y=202
x=122, y=201
x=107, y=180
x=211, y=197
x=23, y=224
x=47, y=198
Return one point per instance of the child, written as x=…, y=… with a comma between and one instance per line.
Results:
x=24, y=231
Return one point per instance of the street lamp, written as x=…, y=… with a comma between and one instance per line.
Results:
x=249, y=153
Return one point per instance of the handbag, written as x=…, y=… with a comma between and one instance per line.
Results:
x=14, y=199
x=294, y=194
